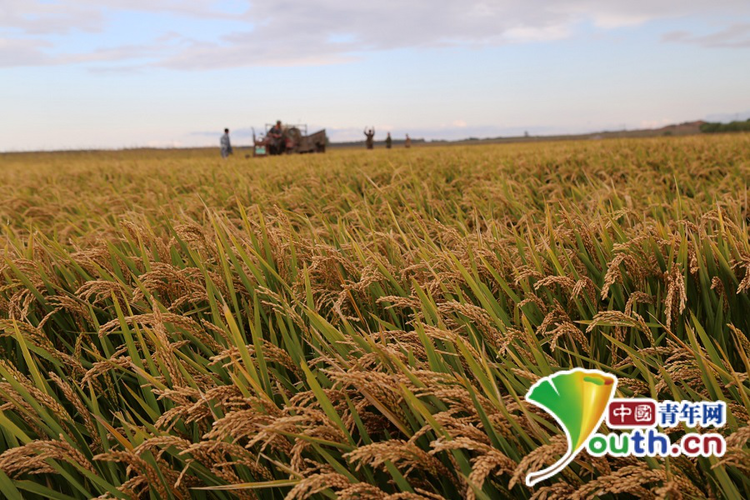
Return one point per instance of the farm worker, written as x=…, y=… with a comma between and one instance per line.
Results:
x=276, y=134
x=370, y=134
x=226, y=146
x=276, y=130
x=407, y=142
x=388, y=141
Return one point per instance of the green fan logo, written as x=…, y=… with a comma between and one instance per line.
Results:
x=577, y=399
x=580, y=401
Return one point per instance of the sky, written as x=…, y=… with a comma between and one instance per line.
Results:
x=85, y=74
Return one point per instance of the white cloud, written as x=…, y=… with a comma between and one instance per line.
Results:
x=329, y=31
x=621, y=13
x=23, y=53
x=735, y=36
x=532, y=34
x=314, y=32
x=41, y=17
x=33, y=17
x=16, y=53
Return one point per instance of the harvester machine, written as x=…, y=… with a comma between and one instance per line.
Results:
x=293, y=139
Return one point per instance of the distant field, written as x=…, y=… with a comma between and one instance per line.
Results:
x=365, y=324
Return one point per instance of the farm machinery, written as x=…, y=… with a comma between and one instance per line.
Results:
x=291, y=139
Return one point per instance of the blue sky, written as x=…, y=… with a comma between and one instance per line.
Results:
x=126, y=73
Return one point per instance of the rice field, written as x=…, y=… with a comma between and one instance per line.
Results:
x=365, y=324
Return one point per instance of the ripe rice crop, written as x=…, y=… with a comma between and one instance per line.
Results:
x=364, y=325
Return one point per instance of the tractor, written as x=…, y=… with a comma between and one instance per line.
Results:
x=293, y=139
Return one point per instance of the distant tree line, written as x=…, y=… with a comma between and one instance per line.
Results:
x=715, y=127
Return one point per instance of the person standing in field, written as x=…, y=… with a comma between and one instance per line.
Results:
x=388, y=141
x=278, y=144
x=407, y=142
x=226, y=145
x=370, y=134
